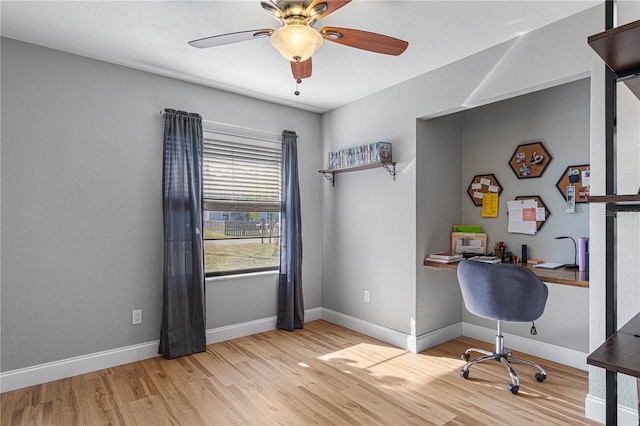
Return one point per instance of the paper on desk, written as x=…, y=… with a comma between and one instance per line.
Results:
x=521, y=219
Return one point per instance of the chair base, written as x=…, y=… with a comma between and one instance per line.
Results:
x=505, y=356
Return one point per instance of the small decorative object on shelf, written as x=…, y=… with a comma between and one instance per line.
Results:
x=530, y=160
x=373, y=155
x=364, y=154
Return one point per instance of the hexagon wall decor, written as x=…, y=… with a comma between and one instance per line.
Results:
x=530, y=160
x=480, y=185
x=578, y=176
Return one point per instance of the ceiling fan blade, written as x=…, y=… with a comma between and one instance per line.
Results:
x=273, y=9
x=222, y=39
x=321, y=8
x=364, y=40
x=301, y=70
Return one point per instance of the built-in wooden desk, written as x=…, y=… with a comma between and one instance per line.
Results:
x=564, y=276
x=619, y=352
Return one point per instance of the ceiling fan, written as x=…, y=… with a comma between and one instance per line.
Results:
x=297, y=40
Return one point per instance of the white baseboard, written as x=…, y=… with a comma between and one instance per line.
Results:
x=385, y=334
x=414, y=344
x=595, y=409
x=43, y=373
x=437, y=337
x=544, y=350
x=248, y=328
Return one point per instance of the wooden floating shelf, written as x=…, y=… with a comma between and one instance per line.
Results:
x=389, y=166
x=620, y=49
x=360, y=167
x=619, y=46
x=631, y=198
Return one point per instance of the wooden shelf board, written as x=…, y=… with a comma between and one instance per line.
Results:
x=630, y=198
x=619, y=46
x=571, y=277
x=619, y=353
x=360, y=167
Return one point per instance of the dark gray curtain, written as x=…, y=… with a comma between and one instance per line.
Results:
x=290, y=302
x=183, y=311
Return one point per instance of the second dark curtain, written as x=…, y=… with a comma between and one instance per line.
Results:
x=290, y=301
x=183, y=329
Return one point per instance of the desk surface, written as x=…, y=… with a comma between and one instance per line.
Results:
x=620, y=352
x=557, y=276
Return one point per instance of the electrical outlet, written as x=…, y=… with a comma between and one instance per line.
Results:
x=136, y=317
x=367, y=296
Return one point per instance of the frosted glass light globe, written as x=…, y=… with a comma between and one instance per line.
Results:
x=296, y=42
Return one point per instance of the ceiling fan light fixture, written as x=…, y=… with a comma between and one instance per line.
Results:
x=296, y=41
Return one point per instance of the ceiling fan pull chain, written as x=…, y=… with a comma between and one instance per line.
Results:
x=297, y=92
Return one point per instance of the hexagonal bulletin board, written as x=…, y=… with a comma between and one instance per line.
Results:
x=547, y=213
x=530, y=160
x=578, y=176
x=480, y=185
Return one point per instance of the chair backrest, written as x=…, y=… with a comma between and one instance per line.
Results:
x=501, y=292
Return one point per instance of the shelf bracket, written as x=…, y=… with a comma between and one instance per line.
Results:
x=391, y=169
x=330, y=177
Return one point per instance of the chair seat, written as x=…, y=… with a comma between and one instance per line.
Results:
x=501, y=293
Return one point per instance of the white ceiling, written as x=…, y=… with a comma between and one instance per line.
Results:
x=153, y=36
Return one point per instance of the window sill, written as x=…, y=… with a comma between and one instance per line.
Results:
x=210, y=280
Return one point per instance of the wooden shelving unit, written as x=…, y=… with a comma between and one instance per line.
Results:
x=614, y=199
x=618, y=47
x=389, y=166
x=620, y=50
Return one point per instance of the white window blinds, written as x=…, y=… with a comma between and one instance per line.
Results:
x=241, y=174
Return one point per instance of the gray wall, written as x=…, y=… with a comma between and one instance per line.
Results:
x=82, y=208
x=404, y=296
x=558, y=116
x=438, y=208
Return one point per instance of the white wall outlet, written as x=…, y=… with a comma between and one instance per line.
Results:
x=367, y=296
x=136, y=317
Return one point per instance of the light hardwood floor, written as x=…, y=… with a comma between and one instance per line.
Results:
x=324, y=375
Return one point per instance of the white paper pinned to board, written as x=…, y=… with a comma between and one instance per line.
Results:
x=519, y=222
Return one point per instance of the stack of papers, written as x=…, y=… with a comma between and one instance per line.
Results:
x=486, y=259
x=444, y=257
x=548, y=265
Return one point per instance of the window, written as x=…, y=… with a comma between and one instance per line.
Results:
x=241, y=188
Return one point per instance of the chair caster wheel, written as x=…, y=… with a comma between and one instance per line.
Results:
x=513, y=389
x=464, y=374
x=541, y=377
x=465, y=357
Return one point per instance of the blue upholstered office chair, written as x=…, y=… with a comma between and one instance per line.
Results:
x=502, y=293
